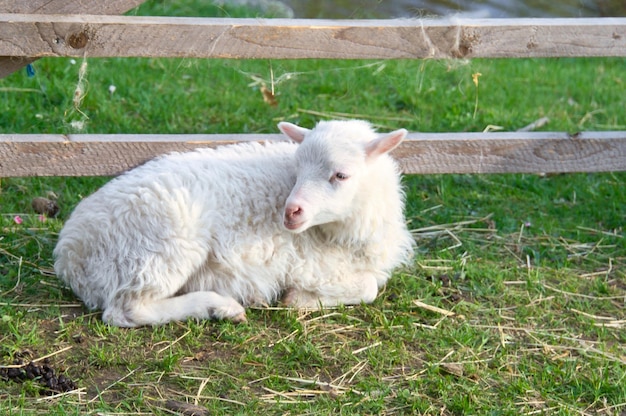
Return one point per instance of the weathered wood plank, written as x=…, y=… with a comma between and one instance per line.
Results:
x=68, y=6
x=24, y=35
x=10, y=64
x=421, y=153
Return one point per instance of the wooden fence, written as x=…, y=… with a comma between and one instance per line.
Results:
x=91, y=28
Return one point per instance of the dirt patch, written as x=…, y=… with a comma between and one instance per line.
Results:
x=448, y=290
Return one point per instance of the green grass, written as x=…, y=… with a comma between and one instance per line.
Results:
x=533, y=267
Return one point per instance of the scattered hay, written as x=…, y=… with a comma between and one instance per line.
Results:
x=452, y=230
x=312, y=388
x=436, y=309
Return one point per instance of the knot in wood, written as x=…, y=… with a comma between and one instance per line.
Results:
x=466, y=44
x=78, y=40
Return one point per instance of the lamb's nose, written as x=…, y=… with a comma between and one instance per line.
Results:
x=292, y=211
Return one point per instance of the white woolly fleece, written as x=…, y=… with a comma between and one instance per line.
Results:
x=202, y=234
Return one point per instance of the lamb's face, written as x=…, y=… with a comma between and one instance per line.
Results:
x=327, y=182
x=333, y=161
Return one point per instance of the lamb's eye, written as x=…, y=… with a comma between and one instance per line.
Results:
x=339, y=176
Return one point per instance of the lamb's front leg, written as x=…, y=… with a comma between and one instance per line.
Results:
x=348, y=291
x=199, y=305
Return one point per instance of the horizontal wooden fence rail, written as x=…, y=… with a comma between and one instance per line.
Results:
x=39, y=35
x=102, y=154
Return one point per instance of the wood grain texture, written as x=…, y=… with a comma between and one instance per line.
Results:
x=421, y=153
x=10, y=64
x=25, y=35
x=68, y=6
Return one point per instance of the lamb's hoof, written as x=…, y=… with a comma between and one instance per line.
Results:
x=299, y=299
x=231, y=310
x=289, y=297
x=239, y=319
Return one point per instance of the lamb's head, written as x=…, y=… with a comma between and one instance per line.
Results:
x=332, y=162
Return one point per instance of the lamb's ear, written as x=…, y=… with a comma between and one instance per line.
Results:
x=384, y=144
x=295, y=133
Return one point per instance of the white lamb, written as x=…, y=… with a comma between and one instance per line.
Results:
x=202, y=234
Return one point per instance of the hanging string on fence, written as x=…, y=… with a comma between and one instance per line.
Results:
x=80, y=91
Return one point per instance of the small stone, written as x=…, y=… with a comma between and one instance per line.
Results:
x=45, y=206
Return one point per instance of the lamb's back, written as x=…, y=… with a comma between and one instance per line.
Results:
x=202, y=200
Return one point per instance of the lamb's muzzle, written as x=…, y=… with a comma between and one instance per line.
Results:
x=293, y=215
